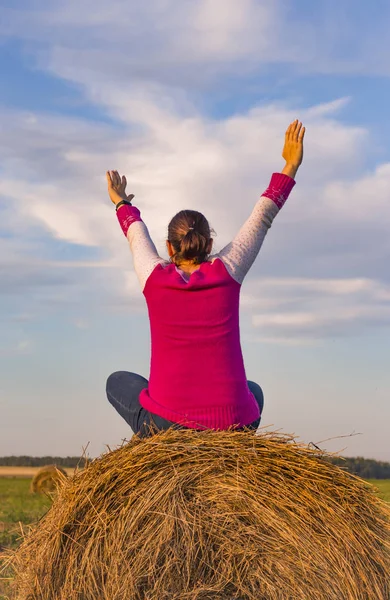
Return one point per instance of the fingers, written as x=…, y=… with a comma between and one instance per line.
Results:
x=291, y=131
x=118, y=184
x=115, y=178
x=123, y=185
x=295, y=132
x=288, y=131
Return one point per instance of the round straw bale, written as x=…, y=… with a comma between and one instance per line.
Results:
x=47, y=479
x=187, y=515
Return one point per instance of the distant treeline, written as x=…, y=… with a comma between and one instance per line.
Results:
x=41, y=461
x=366, y=468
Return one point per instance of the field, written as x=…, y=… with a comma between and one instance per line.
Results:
x=19, y=508
x=383, y=486
x=23, y=472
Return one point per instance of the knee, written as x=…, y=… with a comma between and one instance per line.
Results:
x=124, y=383
x=255, y=388
x=257, y=392
x=112, y=383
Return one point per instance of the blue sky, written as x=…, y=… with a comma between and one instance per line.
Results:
x=191, y=100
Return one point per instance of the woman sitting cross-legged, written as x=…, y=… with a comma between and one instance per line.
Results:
x=197, y=376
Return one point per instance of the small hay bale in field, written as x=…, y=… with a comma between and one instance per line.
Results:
x=46, y=479
x=210, y=515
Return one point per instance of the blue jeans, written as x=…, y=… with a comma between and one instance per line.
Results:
x=123, y=390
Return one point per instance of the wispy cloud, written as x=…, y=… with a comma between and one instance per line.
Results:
x=135, y=62
x=158, y=41
x=304, y=311
x=15, y=349
x=364, y=199
x=217, y=166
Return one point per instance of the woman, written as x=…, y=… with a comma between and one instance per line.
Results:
x=197, y=375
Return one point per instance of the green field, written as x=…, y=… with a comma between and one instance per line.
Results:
x=19, y=508
x=383, y=486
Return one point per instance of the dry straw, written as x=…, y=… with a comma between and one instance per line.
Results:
x=211, y=515
x=47, y=479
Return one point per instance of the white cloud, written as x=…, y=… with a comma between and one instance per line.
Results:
x=366, y=199
x=279, y=340
x=54, y=180
x=24, y=346
x=140, y=63
x=19, y=348
x=328, y=108
x=196, y=43
x=301, y=311
x=81, y=323
x=167, y=32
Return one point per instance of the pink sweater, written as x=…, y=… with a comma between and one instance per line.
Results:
x=197, y=374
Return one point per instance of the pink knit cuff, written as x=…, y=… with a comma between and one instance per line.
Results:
x=127, y=215
x=279, y=188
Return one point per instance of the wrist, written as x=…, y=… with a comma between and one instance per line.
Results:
x=290, y=169
x=122, y=202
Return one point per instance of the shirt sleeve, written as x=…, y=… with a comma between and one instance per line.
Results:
x=240, y=254
x=145, y=255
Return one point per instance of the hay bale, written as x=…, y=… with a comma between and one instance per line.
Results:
x=211, y=515
x=46, y=480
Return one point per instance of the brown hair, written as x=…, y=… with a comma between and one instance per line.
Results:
x=190, y=235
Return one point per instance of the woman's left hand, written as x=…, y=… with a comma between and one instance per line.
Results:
x=117, y=187
x=293, y=148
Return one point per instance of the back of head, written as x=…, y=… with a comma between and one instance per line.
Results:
x=190, y=236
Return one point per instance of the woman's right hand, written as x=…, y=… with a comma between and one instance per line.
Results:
x=117, y=187
x=293, y=148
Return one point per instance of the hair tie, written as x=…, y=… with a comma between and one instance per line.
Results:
x=190, y=228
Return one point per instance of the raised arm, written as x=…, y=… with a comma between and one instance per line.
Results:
x=239, y=255
x=144, y=252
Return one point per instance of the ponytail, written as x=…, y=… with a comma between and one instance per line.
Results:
x=189, y=233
